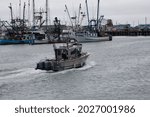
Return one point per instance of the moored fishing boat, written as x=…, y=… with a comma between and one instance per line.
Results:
x=14, y=41
x=87, y=36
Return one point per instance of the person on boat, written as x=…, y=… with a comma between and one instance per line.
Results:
x=64, y=55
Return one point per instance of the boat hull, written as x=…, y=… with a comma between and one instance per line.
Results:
x=63, y=64
x=7, y=41
x=92, y=39
x=83, y=37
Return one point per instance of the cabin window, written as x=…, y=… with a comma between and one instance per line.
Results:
x=59, y=52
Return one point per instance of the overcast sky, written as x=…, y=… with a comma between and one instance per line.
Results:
x=120, y=11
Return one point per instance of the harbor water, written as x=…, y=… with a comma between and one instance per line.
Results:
x=118, y=69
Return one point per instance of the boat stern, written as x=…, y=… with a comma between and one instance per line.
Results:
x=45, y=65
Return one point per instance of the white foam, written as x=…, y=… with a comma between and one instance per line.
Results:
x=88, y=65
x=26, y=72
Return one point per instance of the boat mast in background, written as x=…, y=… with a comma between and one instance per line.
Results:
x=87, y=11
x=98, y=13
x=33, y=13
x=24, y=14
x=38, y=15
x=19, y=9
x=28, y=12
x=68, y=15
x=46, y=14
x=11, y=11
x=78, y=22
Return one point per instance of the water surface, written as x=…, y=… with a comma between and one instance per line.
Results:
x=118, y=69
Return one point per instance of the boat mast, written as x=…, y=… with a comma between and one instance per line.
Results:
x=24, y=15
x=46, y=14
x=19, y=9
x=87, y=11
x=28, y=12
x=83, y=15
x=68, y=14
x=33, y=13
x=79, y=14
x=98, y=12
x=11, y=11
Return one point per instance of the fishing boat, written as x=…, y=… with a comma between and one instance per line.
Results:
x=92, y=37
x=23, y=39
x=94, y=31
x=15, y=32
x=8, y=41
x=85, y=36
x=67, y=56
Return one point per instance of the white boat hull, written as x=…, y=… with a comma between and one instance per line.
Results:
x=92, y=39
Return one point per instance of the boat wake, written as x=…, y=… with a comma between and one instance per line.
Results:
x=29, y=73
x=89, y=65
x=26, y=72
